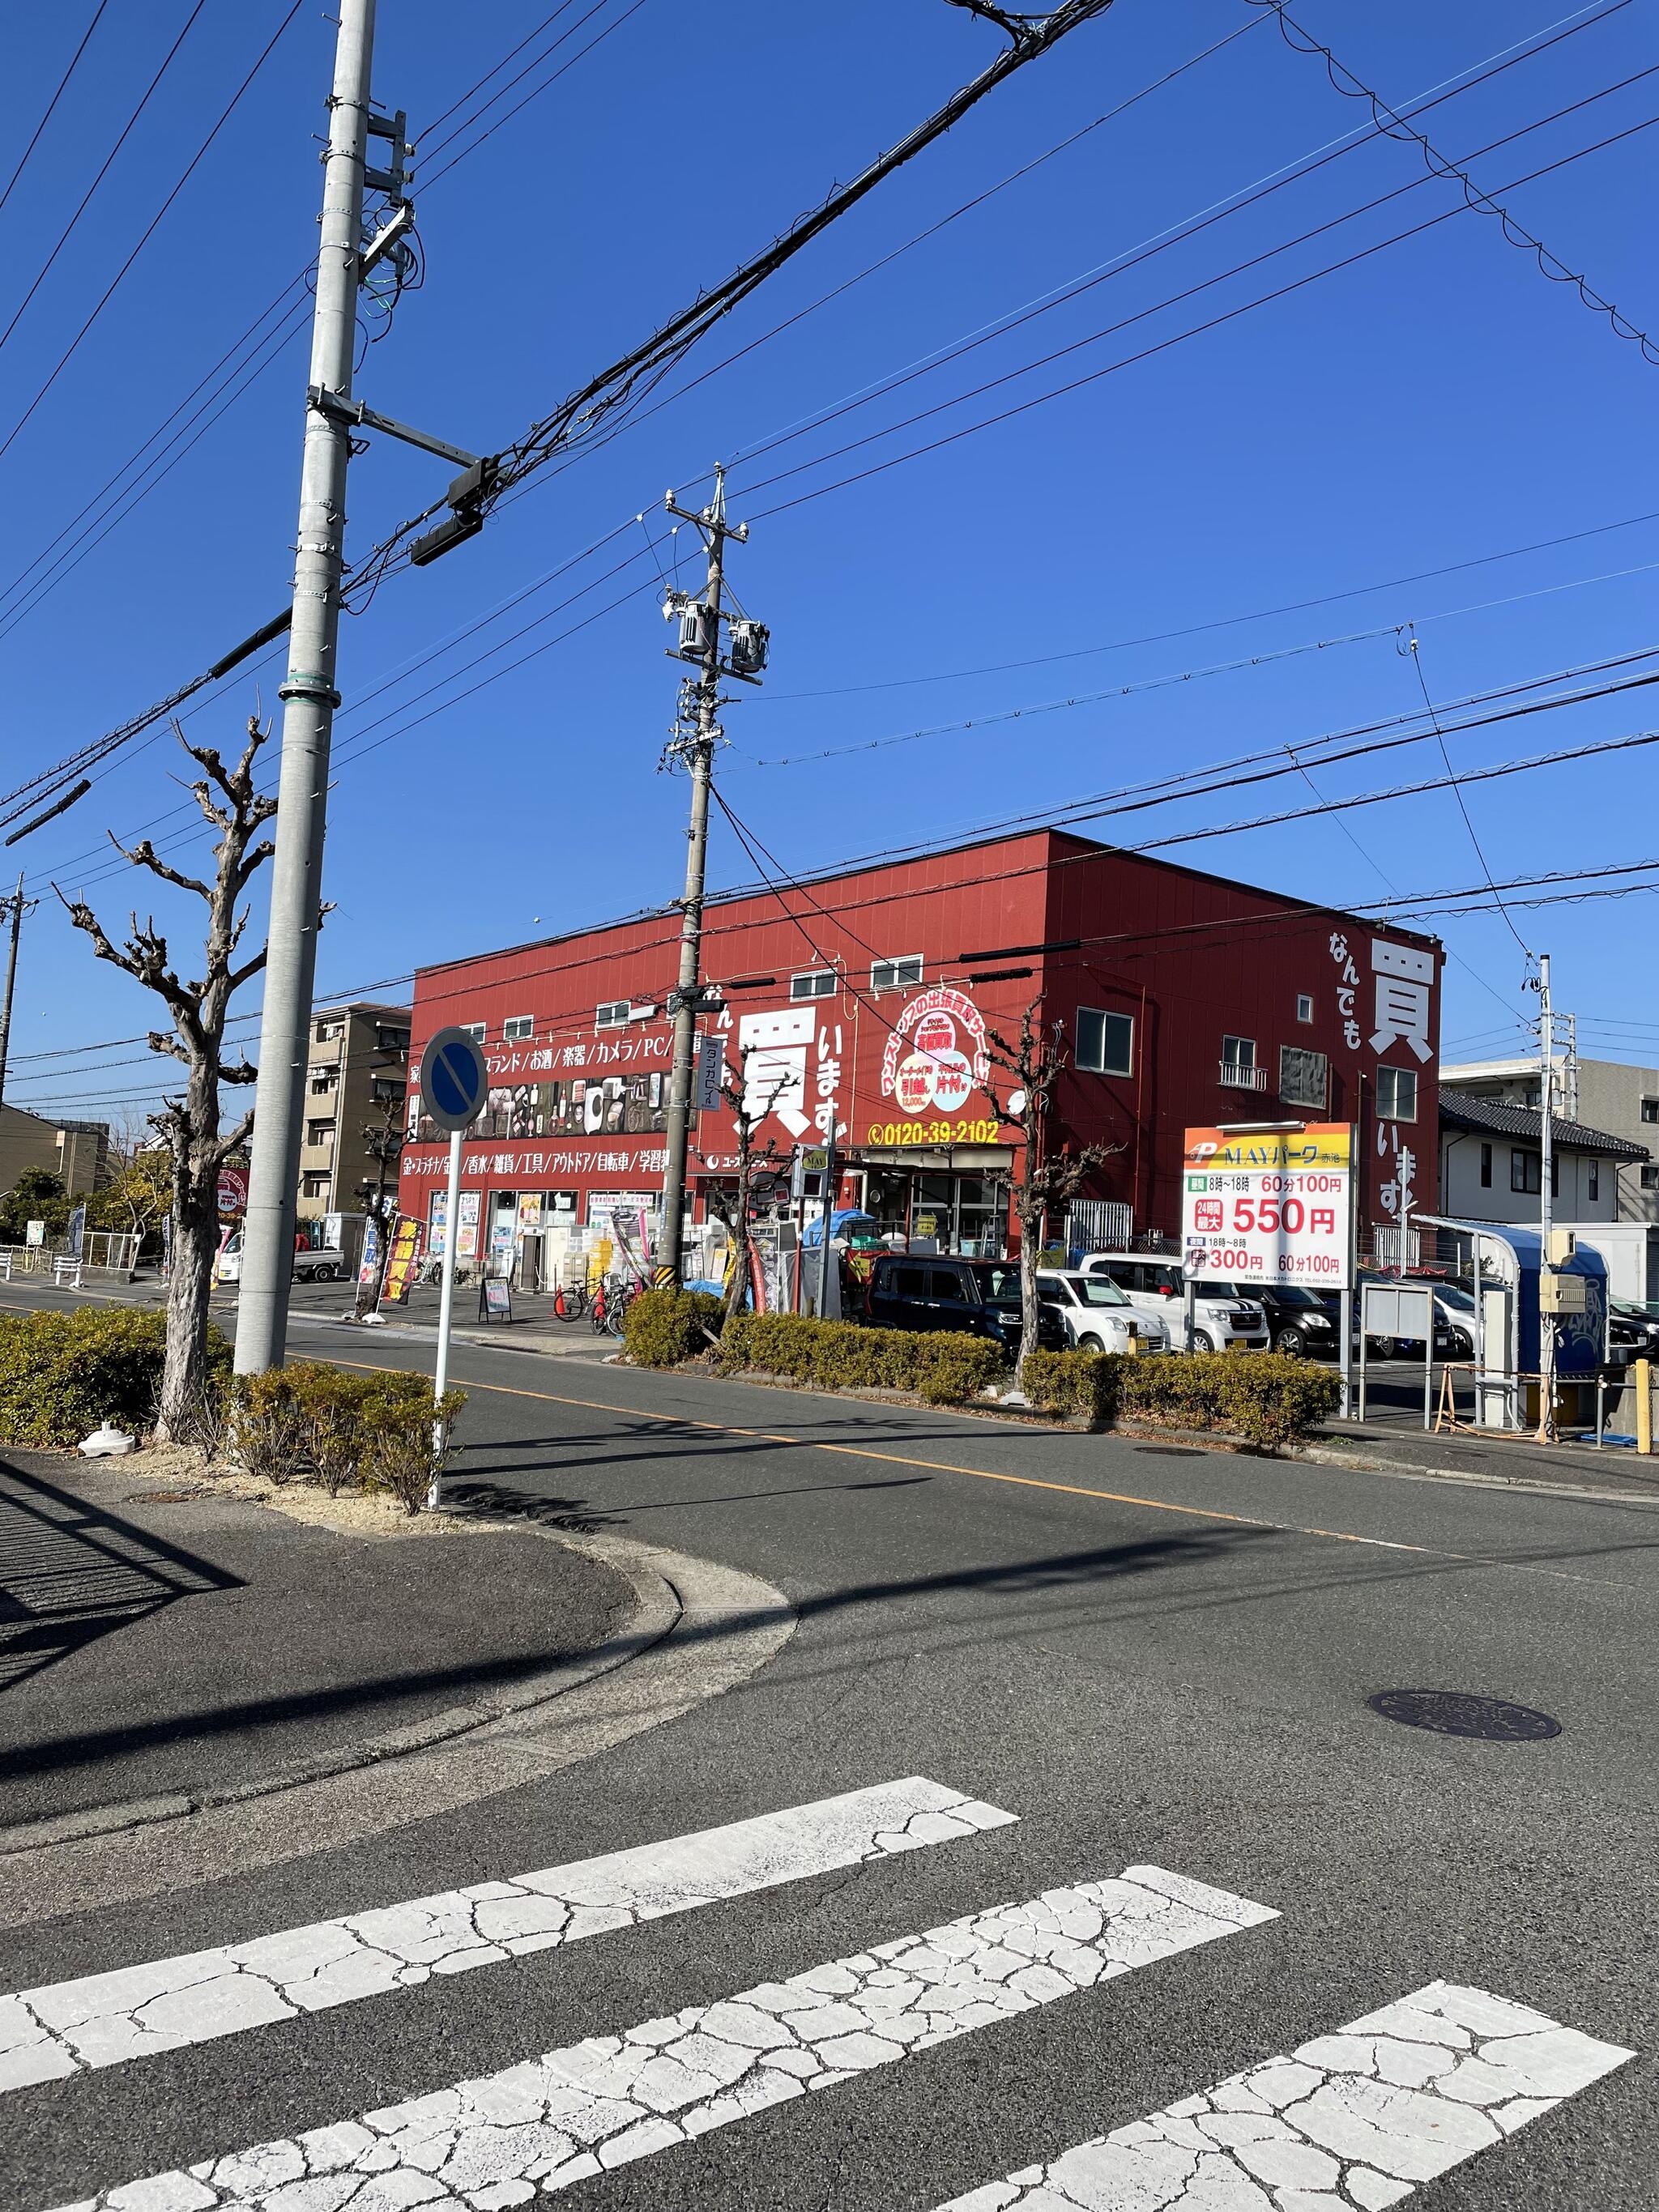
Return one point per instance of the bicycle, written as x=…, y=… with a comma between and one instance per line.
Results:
x=569, y=1302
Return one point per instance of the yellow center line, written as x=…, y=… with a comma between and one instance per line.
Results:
x=1020, y=1481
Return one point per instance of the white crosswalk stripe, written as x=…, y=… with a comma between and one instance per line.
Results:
x=1358, y=2118
x=556, y=2120
x=107, y=2019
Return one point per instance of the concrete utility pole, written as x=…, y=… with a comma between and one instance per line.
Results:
x=696, y=736
x=1546, y=1202
x=309, y=699
x=14, y=908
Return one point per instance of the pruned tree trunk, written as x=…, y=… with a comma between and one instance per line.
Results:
x=1035, y=1062
x=734, y=1090
x=198, y=1010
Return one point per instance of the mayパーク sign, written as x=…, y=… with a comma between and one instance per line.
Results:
x=1271, y=1207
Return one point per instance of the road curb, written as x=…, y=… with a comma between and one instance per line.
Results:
x=1356, y=1463
x=658, y=1610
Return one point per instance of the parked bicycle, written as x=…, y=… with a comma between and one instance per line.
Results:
x=569, y=1302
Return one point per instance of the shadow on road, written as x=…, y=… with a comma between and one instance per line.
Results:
x=72, y=1573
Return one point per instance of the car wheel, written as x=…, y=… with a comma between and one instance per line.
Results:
x=1089, y=1344
x=1202, y=1341
x=1289, y=1342
x=1462, y=1345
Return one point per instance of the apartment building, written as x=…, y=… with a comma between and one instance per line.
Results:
x=78, y=1152
x=357, y=1065
x=1613, y=1098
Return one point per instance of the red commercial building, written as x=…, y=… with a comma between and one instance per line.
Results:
x=1183, y=999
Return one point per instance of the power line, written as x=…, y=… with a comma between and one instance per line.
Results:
x=1395, y=126
x=52, y=105
x=1457, y=792
x=194, y=162
x=126, y=132
x=537, y=91
x=1146, y=353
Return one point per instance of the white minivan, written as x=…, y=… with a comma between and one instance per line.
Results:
x=1223, y=1318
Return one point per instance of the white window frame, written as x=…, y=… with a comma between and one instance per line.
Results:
x=477, y=1031
x=1395, y=1113
x=517, y=1029
x=612, y=1014
x=1304, y=999
x=825, y=981
x=1244, y=1058
x=1105, y=1015
x=892, y=975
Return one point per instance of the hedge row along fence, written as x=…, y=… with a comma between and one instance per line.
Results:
x=1258, y=1395
x=60, y=1375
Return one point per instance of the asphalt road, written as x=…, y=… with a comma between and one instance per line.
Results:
x=1150, y=1659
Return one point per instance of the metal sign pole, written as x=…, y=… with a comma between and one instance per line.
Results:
x=446, y=1302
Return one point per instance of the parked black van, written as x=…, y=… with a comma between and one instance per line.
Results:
x=932, y=1290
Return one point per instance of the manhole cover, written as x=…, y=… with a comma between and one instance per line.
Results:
x=1170, y=1451
x=1458, y=1713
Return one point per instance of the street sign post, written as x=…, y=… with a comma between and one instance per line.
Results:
x=454, y=1085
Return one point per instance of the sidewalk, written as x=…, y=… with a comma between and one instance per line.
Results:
x=159, y=1642
x=1488, y=1457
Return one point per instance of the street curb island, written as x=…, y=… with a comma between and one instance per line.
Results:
x=661, y=1605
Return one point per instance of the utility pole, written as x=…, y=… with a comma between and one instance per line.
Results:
x=14, y=908
x=696, y=734
x=309, y=699
x=1546, y=1178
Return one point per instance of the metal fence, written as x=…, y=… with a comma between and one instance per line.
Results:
x=102, y=1251
x=1099, y=1224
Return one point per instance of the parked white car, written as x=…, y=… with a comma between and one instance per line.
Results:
x=1223, y=1319
x=1098, y=1316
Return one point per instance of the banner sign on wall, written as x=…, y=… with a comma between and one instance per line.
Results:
x=1271, y=1207
x=936, y=1055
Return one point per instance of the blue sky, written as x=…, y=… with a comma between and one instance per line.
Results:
x=1434, y=402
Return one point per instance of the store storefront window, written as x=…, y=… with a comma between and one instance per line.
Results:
x=961, y=1213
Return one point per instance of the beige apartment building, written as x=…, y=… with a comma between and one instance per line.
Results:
x=78, y=1152
x=358, y=1062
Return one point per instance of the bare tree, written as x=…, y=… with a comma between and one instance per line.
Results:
x=1035, y=1062
x=190, y=1124
x=384, y=1141
x=734, y=1090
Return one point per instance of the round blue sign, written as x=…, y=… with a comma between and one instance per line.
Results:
x=454, y=1080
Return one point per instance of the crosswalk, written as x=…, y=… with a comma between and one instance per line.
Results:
x=1360, y=2118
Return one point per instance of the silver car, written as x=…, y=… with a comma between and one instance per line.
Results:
x=1098, y=1315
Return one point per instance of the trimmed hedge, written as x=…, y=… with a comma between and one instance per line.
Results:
x=662, y=1328
x=62, y=1374
x=364, y=1431
x=1256, y=1394
x=943, y=1367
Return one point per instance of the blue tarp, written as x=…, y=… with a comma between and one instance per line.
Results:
x=813, y=1232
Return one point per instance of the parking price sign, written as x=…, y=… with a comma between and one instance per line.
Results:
x=1270, y=1206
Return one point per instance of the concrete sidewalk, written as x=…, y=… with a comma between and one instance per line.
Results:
x=158, y=1642
x=1487, y=1456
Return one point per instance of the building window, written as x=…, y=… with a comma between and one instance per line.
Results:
x=1593, y=1190
x=1486, y=1167
x=1555, y=1174
x=474, y=1029
x=1304, y=1076
x=383, y=1088
x=896, y=975
x=813, y=983
x=1305, y=1006
x=389, y=1038
x=328, y=1031
x=1238, y=1066
x=314, y=1186
x=1650, y=1177
x=516, y=1027
x=319, y=1133
x=1525, y=1173
x=1650, y=1110
x=322, y=1080
x=612, y=1015
x=1105, y=1042
x=1396, y=1094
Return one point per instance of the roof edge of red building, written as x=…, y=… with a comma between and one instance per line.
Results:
x=1082, y=848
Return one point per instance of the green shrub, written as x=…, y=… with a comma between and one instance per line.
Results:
x=662, y=1328
x=375, y=1431
x=1268, y=1400
x=945, y=1367
x=63, y=1373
